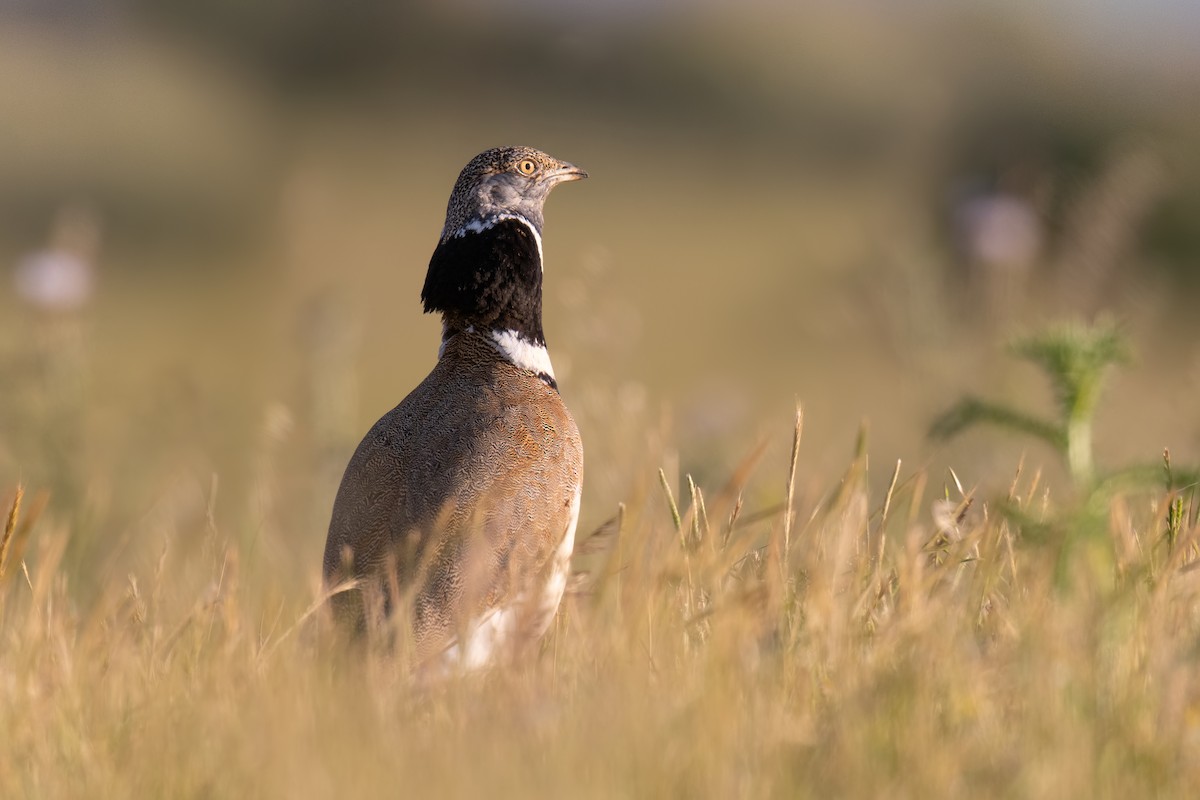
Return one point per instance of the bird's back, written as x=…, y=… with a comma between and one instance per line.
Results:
x=459, y=500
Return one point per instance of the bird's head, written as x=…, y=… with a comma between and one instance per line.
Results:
x=505, y=182
x=486, y=272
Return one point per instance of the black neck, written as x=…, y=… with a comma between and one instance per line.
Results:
x=489, y=280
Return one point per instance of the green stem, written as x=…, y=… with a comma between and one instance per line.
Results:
x=1079, y=448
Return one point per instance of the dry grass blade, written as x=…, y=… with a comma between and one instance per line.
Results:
x=1012, y=488
x=16, y=531
x=770, y=512
x=883, y=516
x=702, y=527
x=694, y=516
x=957, y=483
x=731, y=524
x=676, y=520
x=731, y=493
x=10, y=527
x=791, y=483
x=601, y=539
x=312, y=609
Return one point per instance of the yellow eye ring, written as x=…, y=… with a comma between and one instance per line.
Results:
x=526, y=167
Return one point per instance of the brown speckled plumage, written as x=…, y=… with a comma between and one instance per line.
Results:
x=461, y=502
x=469, y=480
x=476, y=192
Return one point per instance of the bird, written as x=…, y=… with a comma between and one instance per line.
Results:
x=460, y=504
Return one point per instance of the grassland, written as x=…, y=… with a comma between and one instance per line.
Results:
x=760, y=610
x=918, y=643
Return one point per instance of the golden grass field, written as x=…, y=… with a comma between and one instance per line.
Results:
x=762, y=608
x=860, y=645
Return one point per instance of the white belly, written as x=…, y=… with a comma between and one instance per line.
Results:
x=499, y=627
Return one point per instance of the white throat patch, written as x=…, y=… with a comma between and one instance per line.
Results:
x=523, y=354
x=479, y=226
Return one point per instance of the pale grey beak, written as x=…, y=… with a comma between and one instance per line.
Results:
x=566, y=172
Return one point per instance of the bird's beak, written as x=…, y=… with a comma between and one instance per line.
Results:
x=566, y=172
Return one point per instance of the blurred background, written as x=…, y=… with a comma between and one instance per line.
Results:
x=215, y=219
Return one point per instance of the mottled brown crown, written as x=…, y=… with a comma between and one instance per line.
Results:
x=505, y=181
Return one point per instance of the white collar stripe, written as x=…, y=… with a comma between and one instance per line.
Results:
x=522, y=353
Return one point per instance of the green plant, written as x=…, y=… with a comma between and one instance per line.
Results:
x=1074, y=358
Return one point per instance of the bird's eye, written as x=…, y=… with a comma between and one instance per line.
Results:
x=526, y=167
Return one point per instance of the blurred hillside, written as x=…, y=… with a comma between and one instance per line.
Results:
x=849, y=204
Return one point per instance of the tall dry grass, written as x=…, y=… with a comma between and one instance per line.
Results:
x=920, y=643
